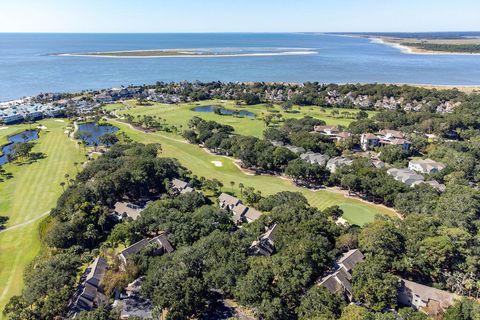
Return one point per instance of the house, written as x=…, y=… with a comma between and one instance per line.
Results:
x=429, y=300
x=391, y=134
x=426, y=166
x=160, y=242
x=242, y=213
x=89, y=294
x=343, y=135
x=228, y=202
x=440, y=187
x=349, y=259
x=181, y=187
x=265, y=245
x=251, y=215
x=313, y=158
x=406, y=176
x=368, y=141
x=405, y=144
x=128, y=209
x=132, y=304
x=339, y=279
x=337, y=162
x=378, y=164
x=327, y=130
x=294, y=149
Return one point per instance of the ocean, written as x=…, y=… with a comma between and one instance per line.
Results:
x=31, y=64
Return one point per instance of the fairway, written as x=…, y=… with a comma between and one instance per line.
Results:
x=27, y=196
x=204, y=164
x=179, y=115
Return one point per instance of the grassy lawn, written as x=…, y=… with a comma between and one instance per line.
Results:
x=31, y=192
x=200, y=163
x=179, y=115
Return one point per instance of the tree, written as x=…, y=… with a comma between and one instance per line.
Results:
x=373, y=285
x=353, y=311
x=392, y=153
x=108, y=139
x=319, y=303
x=381, y=238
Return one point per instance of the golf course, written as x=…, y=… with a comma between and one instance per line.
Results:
x=203, y=163
x=28, y=195
x=32, y=188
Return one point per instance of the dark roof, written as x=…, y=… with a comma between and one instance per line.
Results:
x=252, y=214
x=161, y=240
x=97, y=271
x=228, y=199
x=350, y=259
x=179, y=184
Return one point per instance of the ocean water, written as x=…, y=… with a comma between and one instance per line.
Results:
x=29, y=64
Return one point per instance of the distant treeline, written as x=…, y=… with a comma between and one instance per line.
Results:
x=464, y=48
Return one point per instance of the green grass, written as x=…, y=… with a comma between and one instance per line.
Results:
x=200, y=163
x=32, y=191
x=179, y=115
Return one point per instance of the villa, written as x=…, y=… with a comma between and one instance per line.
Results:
x=313, y=158
x=160, y=242
x=407, y=176
x=265, y=245
x=426, y=166
x=339, y=280
x=429, y=300
x=89, y=293
x=338, y=162
x=369, y=141
x=241, y=213
x=181, y=187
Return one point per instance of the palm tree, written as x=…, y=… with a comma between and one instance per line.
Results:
x=62, y=184
x=241, y=186
x=232, y=184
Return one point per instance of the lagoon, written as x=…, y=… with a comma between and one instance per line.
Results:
x=91, y=132
x=25, y=136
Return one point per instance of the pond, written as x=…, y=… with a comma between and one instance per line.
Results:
x=25, y=136
x=91, y=132
x=211, y=108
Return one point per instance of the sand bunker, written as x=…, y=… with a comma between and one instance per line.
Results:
x=217, y=163
x=60, y=120
x=3, y=128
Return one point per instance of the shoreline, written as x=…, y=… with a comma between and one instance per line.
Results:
x=187, y=55
x=412, y=50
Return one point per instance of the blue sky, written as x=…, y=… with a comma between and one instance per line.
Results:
x=238, y=15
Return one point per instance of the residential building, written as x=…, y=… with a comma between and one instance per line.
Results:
x=181, y=187
x=337, y=162
x=440, y=187
x=132, y=304
x=89, y=294
x=160, y=242
x=406, y=176
x=313, y=158
x=294, y=149
x=228, y=202
x=339, y=279
x=426, y=166
x=327, y=130
x=265, y=245
x=429, y=300
x=368, y=141
x=391, y=134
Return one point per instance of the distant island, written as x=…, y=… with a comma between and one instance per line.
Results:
x=428, y=43
x=173, y=53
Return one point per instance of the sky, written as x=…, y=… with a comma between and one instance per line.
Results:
x=239, y=15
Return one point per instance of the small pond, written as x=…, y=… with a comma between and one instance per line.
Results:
x=13, y=140
x=223, y=111
x=91, y=132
